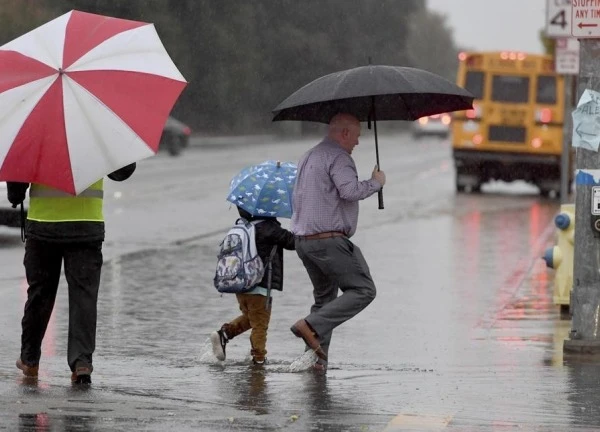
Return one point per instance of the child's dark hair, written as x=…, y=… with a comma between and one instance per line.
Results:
x=243, y=213
x=246, y=215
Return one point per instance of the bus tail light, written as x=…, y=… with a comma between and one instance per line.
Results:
x=543, y=115
x=477, y=139
x=536, y=142
x=512, y=55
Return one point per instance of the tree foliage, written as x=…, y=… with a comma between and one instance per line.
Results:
x=241, y=58
x=429, y=33
x=547, y=42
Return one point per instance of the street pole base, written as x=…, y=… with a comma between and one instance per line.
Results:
x=578, y=347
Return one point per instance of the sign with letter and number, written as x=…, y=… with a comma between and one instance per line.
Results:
x=585, y=18
x=558, y=18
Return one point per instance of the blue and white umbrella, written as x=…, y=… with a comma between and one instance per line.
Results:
x=264, y=189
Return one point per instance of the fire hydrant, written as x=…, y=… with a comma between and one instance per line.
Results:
x=560, y=257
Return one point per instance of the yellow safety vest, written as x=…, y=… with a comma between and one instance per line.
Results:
x=47, y=204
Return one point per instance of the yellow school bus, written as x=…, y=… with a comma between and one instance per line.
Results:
x=515, y=129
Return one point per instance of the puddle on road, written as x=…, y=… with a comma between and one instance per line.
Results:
x=154, y=356
x=301, y=364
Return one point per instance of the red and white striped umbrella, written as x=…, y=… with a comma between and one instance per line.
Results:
x=82, y=96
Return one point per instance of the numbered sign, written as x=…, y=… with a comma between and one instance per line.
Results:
x=558, y=18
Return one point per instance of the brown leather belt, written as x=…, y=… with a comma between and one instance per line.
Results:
x=323, y=235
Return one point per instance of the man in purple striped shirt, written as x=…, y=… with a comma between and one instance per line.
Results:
x=325, y=216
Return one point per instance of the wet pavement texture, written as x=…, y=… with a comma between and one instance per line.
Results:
x=463, y=334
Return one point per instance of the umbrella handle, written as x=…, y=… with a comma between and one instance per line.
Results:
x=380, y=193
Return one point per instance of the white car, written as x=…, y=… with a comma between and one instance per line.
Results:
x=437, y=125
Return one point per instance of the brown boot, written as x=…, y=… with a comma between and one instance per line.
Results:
x=28, y=371
x=302, y=330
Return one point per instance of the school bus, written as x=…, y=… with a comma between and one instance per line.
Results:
x=515, y=129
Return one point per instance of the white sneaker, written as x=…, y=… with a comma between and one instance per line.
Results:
x=219, y=341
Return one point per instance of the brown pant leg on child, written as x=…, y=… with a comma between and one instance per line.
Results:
x=259, y=317
x=241, y=323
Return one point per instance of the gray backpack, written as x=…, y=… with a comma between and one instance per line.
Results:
x=239, y=268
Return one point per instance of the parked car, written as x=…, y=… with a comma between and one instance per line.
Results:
x=436, y=125
x=175, y=136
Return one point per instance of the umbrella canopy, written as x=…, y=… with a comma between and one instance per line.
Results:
x=374, y=92
x=82, y=96
x=264, y=189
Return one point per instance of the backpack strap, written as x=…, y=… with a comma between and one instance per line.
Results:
x=269, y=274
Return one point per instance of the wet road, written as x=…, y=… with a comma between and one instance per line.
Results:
x=462, y=334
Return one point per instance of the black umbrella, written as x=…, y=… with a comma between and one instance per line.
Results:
x=372, y=93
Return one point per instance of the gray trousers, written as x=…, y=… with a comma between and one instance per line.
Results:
x=332, y=264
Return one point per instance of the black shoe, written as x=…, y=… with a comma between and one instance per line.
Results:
x=81, y=379
x=82, y=375
x=219, y=341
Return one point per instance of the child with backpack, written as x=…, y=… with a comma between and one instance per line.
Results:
x=255, y=303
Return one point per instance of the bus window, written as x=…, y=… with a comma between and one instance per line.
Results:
x=512, y=89
x=546, y=90
x=474, y=84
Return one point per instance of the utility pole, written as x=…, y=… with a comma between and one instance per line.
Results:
x=584, y=337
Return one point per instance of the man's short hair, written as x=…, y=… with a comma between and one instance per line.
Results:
x=342, y=120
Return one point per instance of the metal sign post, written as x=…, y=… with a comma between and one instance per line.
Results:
x=566, y=55
x=565, y=157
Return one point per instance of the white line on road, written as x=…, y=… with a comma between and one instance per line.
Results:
x=418, y=422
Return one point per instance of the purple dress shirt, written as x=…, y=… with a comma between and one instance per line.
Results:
x=327, y=191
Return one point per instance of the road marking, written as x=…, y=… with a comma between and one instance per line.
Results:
x=418, y=422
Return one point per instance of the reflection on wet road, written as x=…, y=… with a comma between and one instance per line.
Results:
x=463, y=334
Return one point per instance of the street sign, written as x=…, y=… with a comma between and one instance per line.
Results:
x=585, y=22
x=566, y=55
x=558, y=18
